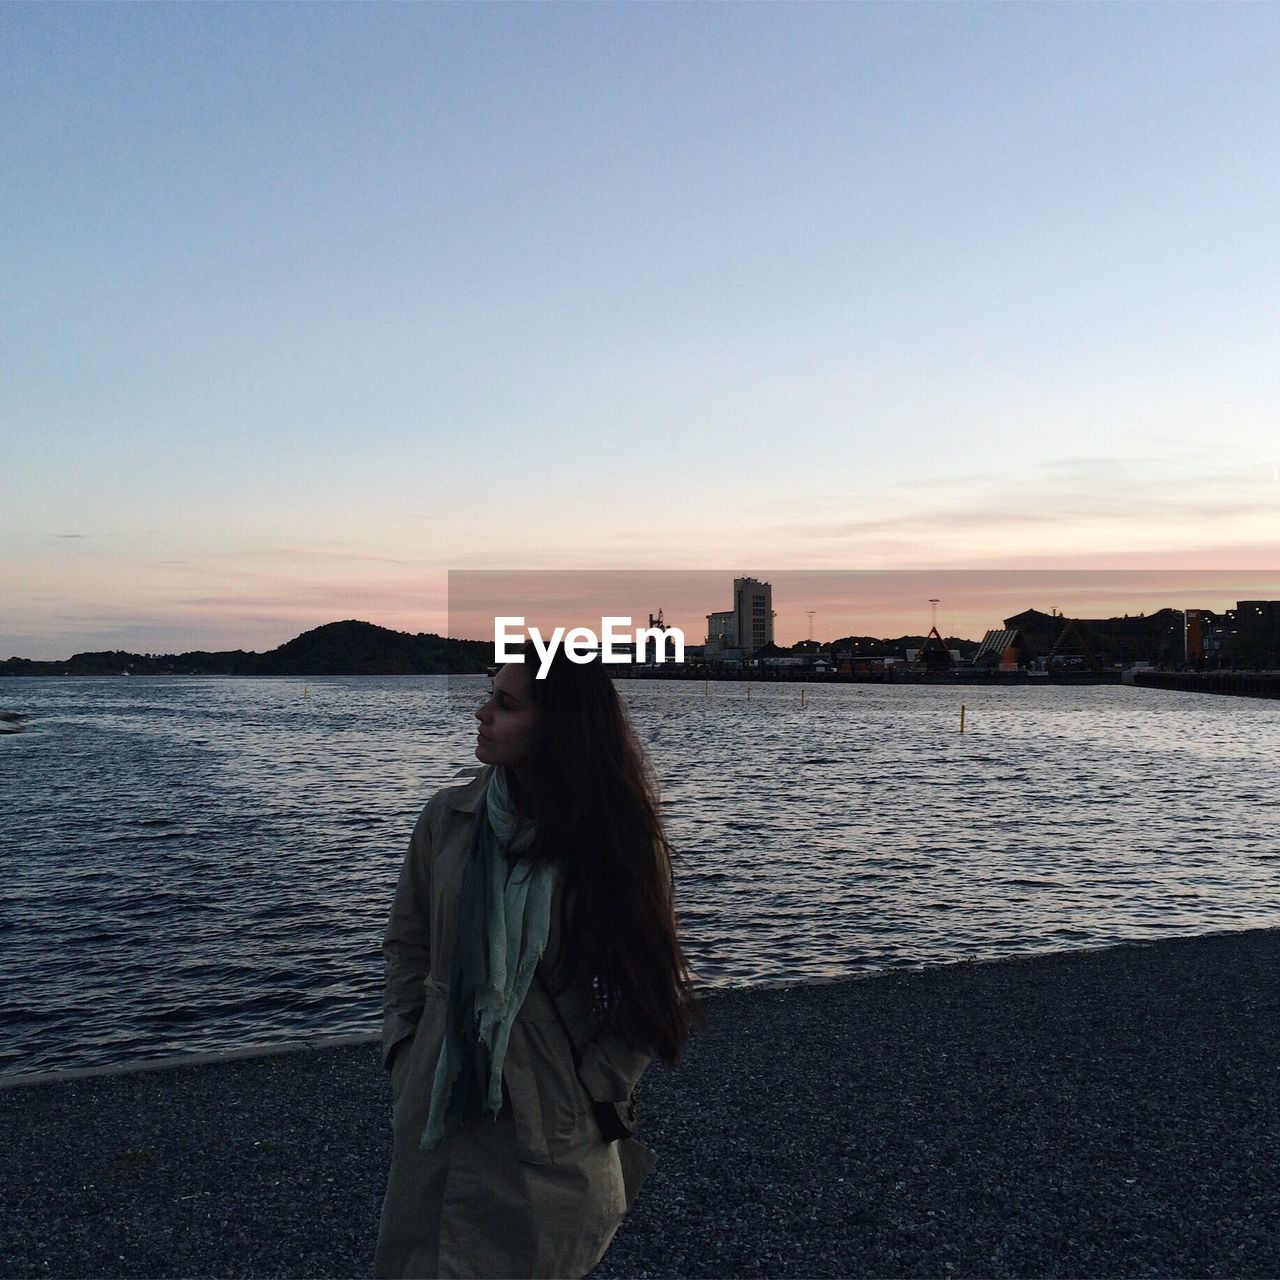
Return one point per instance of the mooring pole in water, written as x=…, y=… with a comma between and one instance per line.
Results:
x=962, y=717
x=706, y=688
x=802, y=695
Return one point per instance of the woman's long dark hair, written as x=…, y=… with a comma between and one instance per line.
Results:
x=595, y=802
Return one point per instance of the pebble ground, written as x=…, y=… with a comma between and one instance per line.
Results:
x=1101, y=1113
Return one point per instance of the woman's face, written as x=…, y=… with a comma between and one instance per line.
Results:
x=508, y=729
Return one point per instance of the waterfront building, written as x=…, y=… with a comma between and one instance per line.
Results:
x=1195, y=629
x=1038, y=630
x=868, y=658
x=1219, y=637
x=1158, y=637
x=1257, y=638
x=1152, y=637
x=753, y=613
x=933, y=655
x=1005, y=650
x=807, y=655
x=1071, y=651
x=722, y=634
x=772, y=655
x=738, y=632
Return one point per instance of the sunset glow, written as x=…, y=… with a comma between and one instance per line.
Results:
x=309, y=306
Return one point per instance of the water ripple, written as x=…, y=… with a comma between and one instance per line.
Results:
x=207, y=863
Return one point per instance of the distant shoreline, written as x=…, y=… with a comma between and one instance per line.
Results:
x=714, y=674
x=335, y=649
x=225, y=675
x=353, y=648
x=1259, y=684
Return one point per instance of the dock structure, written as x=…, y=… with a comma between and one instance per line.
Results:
x=1244, y=684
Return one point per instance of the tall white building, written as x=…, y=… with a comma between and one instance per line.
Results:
x=748, y=625
x=753, y=613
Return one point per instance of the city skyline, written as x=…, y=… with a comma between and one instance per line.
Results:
x=309, y=306
x=878, y=603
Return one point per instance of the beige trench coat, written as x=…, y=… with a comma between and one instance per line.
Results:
x=537, y=1192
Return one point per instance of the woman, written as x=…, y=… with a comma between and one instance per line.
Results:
x=533, y=969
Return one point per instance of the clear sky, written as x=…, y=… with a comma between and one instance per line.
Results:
x=305, y=306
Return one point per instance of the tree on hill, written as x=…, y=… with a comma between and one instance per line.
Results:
x=360, y=648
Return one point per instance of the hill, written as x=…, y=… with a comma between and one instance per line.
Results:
x=347, y=648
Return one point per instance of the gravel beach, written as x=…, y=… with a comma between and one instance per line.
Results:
x=1096, y=1113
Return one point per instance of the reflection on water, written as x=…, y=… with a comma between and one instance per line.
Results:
x=191, y=864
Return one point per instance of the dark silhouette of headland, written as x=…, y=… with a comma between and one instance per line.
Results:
x=348, y=648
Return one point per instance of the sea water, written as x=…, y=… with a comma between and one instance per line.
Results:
x=193, y=864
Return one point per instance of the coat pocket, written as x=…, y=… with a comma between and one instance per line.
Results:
x=413, y=1072
x=400, y=1066
x=551, y=1110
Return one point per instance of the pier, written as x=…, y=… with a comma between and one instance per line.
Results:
x=1240, y=684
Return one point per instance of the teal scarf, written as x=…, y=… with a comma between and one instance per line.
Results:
x=504, y=914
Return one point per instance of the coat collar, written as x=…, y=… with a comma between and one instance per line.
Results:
x=468, y=798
